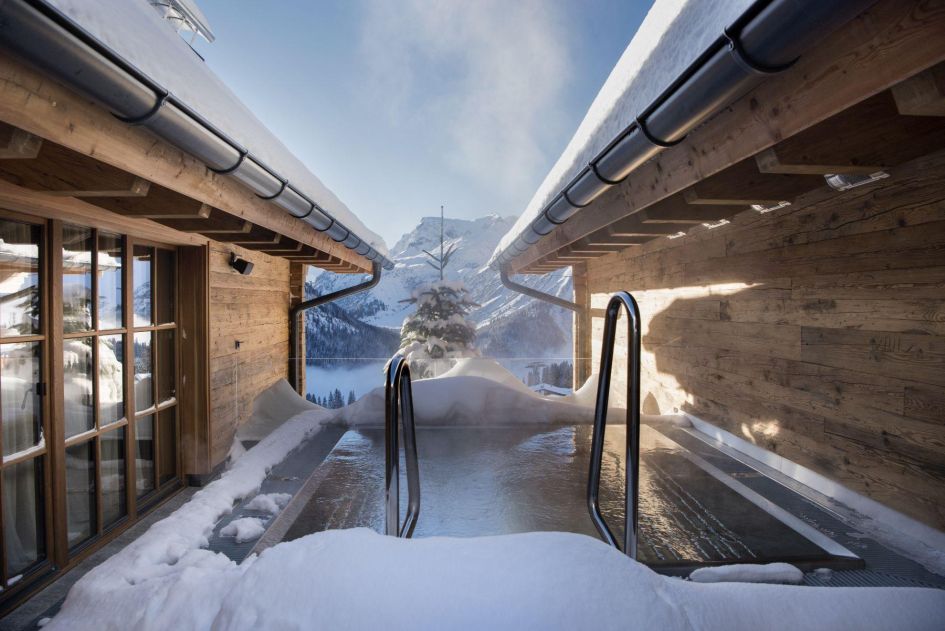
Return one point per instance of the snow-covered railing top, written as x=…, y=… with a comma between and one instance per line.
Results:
x=147, y=75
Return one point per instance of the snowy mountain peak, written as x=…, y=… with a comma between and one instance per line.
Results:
x=508, y=324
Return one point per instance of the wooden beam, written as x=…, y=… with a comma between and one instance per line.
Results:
x=923, y=94
x=16, y=144
x=160, y=203
x=632, y=227
x=675, y=210
x=743, y=184
x=866, y=138
x=888, y=43
x=62, y=172
x=217, y=224
x=586, y=246
x=256, y=236
x=30, y=101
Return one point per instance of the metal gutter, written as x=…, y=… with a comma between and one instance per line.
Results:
x=51, y=41
x=295, y=314
x=540, y=295
x=764, y=41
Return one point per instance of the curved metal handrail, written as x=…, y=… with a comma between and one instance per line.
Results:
x=620, y=300
x=398, y=399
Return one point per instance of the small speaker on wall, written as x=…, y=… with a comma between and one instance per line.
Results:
x=242, y=266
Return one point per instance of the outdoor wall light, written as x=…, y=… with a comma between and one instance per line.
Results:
x=242, y=266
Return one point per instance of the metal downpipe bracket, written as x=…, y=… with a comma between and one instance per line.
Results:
x=539, y=295
x=295, y=314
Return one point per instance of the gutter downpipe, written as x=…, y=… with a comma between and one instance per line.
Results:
x=539, y=295
x=295, y=316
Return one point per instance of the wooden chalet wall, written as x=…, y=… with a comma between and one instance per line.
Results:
x=816, y=331
x=252, y=310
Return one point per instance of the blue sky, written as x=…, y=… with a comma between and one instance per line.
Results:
x=402, y=105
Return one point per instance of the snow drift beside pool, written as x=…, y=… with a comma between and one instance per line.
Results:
x=357, y=579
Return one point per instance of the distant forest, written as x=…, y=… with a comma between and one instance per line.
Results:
x=331, y=333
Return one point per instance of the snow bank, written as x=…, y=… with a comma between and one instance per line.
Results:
x=487, y=369
x=671, y=37
x=244, y=529
x=470, y=400
x=749, y=573
x=357, y=579
x=167, y=570
x=273, y=407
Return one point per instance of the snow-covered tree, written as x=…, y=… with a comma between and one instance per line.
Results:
x=438, y=329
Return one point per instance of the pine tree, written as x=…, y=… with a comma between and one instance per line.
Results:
x=351, y=398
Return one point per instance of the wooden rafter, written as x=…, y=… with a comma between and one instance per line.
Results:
x=923, y=94
x=16, y=144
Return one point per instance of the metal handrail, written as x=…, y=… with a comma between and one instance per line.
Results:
x=619, y=300
x=398, y=400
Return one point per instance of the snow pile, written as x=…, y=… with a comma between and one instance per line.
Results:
x=270, y=503
x=244, y=529
x=749, y=573
x=541, y=580
x=167, y=570
x=470, y=401
x=273, y=407
x=673, y=35
x=487, y=369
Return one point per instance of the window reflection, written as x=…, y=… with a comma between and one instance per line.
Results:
x=141, y=270
x=23, y=515
x=166, y=376
x=76, y=278
x=113, y=476
x=165, y=301
x=77, y=382
x=109, y=260
x=144, y=380
x=19, y=279
x=111, y=385
x=21, y=406
x=144, y=454
x=80, y=492
x=167, y=433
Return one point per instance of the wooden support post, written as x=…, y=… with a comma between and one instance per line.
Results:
x=582, y=325
x=297, y=352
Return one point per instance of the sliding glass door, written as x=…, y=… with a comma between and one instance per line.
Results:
x=89, y=429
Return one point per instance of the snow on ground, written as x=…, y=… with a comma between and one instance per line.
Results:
x=671, y=37
x=270, y=503
x=749, y=573
x=167, y=579
x=358, y=579
x=244, y=529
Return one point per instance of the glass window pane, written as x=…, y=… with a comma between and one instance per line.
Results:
x=167, y=366
x=77, y=381
x=19, y=278
x=111, y=383
x=113, y=476
x=166, y=295
x=76, y=278
x=167, y=431
x=110, y=253
x=141, y=270
x=80, y=492
x=144, y=454
x=21, y=414
x=144, y=371
x=23, y=515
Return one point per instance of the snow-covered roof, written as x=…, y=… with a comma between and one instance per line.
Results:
x=671, y=37
x=133, y=30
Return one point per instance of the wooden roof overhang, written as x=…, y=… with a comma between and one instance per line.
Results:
x=66, y=155
x=870, y=97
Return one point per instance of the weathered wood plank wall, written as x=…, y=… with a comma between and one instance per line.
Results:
x=254, y=311
x=816, y=331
